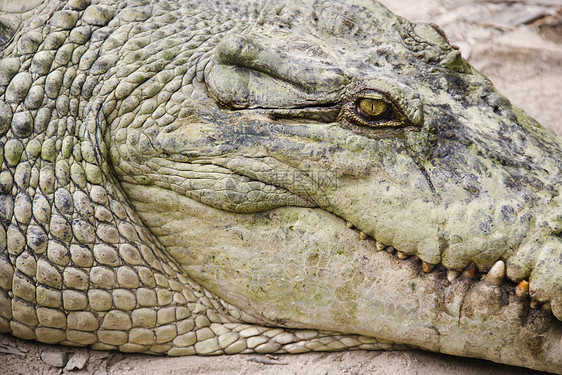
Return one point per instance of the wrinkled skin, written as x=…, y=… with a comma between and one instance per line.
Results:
x=249, y=164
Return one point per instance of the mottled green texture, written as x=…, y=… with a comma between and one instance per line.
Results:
x=185, y=177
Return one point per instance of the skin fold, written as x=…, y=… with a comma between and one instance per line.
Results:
x=196, y=178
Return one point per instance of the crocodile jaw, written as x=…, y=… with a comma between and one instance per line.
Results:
x=304, y=268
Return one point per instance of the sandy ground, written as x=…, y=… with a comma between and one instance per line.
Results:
x=518, y=44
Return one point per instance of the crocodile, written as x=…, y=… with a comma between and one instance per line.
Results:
x=218, y=177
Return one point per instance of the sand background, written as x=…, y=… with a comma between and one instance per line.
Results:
x=518, y=45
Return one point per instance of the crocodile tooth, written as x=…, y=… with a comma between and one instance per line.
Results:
x=390, y=249
x=401, y=255
x=414, y=259
x=546, y=307
x=452, y=275
x=427, y=267
x=496, y=274
x=522, y=289
x=362, y=236
x=380, y=246
x=535, y=304
x=349, y=225
x=470, y=271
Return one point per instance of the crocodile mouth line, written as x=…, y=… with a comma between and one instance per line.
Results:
x=493, y=276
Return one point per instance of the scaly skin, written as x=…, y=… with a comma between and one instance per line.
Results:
x=196, y=178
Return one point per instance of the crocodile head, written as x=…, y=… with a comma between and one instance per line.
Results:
x=329, y=166
x=311, y=137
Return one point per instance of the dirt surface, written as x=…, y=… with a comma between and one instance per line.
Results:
x=518, y=45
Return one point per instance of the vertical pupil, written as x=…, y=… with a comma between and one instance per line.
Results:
x=372, y=107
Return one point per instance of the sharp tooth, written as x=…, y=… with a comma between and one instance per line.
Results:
x=362, y=236
x=496, y=274
x=401, y=255
x=546, y=307
x=414, y=259
x=349, y=225
x=390, y=249
x=470, y=271
x=427, y=267
x=535, y=304
x=452, y=275
x=522, y=289
x=380, y=246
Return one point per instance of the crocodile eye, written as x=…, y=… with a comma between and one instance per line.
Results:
x=372, y=109
x=373, y=113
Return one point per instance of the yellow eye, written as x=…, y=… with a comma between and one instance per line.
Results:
x=372, y=107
